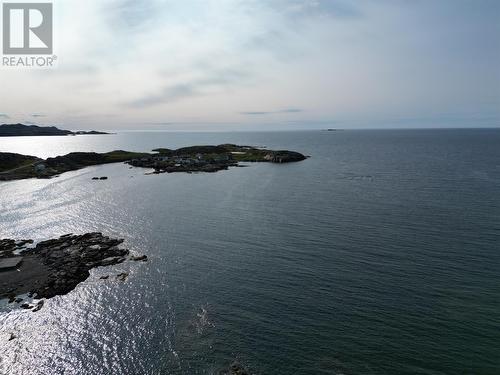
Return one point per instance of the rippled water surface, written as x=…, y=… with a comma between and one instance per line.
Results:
x=378, y=255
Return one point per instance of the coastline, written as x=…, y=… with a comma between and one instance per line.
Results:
x=186, y=159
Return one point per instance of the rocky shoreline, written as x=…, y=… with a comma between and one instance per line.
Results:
x=56, y=266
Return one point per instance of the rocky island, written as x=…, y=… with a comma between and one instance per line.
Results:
x=210, y=158
x=21, y=130
x=186, y=159
x=56, y=266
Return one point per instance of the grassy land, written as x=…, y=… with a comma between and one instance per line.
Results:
x=9, y=161
x=120, y=156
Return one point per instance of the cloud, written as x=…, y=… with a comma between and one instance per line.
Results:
x=144, y=61
x=161, y=123
x=212, y=81
x=4, y=115
x=38, y=115
x=256, y=113
x=288, y=110
x=168, y=94
x=313, y=8
x=132, y=13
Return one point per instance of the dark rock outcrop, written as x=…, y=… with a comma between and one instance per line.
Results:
x=286, y=156
x=57, y=266
x=141, y=258
x=38, y=306
x=122, y=276
x=237, y=369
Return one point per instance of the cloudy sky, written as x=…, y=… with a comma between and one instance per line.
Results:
x=264, y=64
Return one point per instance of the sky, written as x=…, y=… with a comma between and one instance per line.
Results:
x=264, y=65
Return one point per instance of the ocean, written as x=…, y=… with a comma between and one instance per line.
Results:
x=380, y=254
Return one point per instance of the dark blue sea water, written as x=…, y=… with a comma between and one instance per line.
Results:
x=378, y=255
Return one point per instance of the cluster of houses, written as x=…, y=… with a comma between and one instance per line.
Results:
x=197, y=160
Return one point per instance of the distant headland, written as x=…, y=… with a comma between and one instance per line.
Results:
x=21, y=130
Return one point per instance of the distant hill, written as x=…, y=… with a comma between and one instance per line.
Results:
x=19, y=130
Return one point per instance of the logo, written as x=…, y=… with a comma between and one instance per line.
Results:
x=28, y=34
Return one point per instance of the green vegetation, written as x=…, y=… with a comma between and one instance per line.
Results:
x=9, y=161
x=121, y=156
x=15, y=166
x=252, y=155
x=200, y=150
x=163, y=151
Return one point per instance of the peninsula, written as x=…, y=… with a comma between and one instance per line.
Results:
x=21, y=130
x=162, y=160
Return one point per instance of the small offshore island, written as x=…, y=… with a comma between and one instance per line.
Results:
x=186, y=159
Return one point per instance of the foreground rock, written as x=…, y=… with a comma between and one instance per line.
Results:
x=57, y=266
x=186, y=159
